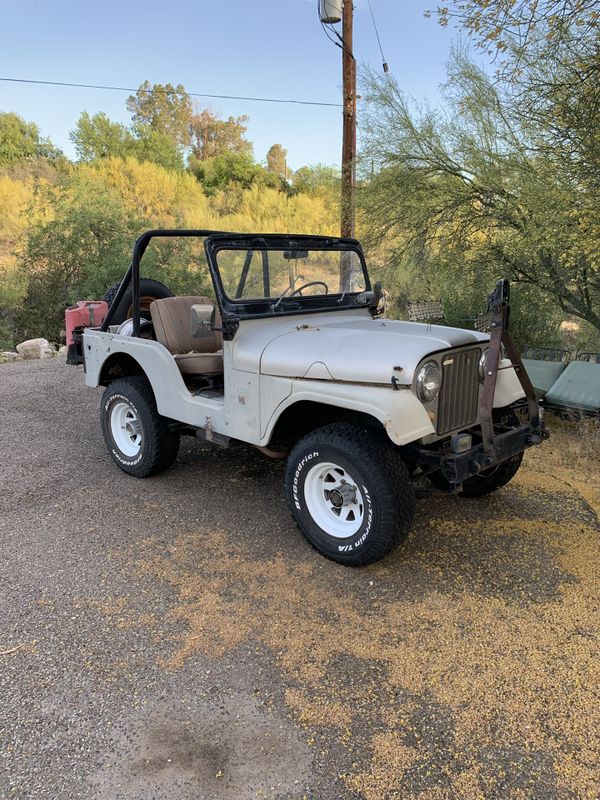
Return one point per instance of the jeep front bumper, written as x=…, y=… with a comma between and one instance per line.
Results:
x=457, y=467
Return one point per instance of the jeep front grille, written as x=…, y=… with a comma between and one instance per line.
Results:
x=459, y=396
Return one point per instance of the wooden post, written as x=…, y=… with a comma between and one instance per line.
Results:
x=349, y=127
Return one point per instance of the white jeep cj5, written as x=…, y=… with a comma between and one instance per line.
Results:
x=294, y=358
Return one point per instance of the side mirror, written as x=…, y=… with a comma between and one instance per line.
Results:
x=202, y=321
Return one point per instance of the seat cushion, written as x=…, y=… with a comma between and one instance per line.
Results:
x=200, y=363
x=172, y=320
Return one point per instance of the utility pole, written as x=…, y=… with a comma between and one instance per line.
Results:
x=349, y=122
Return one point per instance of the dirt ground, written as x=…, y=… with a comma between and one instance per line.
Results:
x=176, y=638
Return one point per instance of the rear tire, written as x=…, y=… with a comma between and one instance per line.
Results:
x=150, y=290
x=350, y=493
x=137, y=437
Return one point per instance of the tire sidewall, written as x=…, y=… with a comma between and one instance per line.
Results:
x=336, y=547
x=131, y=464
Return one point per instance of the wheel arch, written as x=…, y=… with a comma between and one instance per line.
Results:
x=119, y=365
x=303, y=416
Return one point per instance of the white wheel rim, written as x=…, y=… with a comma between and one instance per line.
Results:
x=334, y=500
x=126, y=429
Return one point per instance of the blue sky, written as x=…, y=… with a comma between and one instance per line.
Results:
x=271, y=48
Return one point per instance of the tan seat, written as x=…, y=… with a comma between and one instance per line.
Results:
x=194, y=355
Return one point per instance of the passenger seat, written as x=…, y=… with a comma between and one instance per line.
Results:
x=194, y=355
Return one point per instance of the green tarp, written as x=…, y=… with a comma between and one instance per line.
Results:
x=578, y=387
x=543, y=374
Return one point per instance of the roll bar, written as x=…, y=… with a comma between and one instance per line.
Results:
x=132, y=276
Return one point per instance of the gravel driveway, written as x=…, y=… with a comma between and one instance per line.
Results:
x=176, y=638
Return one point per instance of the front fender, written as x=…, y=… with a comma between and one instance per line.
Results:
x=400, y=412
x=508, y=386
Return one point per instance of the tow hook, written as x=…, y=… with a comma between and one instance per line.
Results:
x=482, y=463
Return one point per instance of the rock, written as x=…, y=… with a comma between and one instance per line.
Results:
x=36, y=348
x=62, y=350
x=7, y=356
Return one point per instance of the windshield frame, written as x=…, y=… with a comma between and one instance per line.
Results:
x=250, y=308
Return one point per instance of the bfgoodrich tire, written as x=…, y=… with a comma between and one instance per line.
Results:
x=350, y=493
x=137, y=437
x=150, y=290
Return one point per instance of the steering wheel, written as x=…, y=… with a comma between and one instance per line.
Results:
x=306, y=285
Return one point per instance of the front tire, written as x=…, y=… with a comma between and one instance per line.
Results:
x=137, y=437
x=350, y=493
x=494, y=478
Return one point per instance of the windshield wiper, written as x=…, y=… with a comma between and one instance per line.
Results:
x=290, y=288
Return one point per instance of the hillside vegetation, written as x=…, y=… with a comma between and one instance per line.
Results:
x=66, y=229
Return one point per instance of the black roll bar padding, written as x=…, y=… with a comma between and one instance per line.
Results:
x=117, y=299
x=265, y=269
x=132, y=276
x=244, y=275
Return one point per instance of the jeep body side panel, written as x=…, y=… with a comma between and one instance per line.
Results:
x=173, y=399
x=237, y=415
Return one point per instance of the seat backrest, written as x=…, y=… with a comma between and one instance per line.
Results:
x=172, y=320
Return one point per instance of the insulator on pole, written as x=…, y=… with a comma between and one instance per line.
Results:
x=330, y=11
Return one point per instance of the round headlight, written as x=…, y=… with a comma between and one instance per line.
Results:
x=429, y=380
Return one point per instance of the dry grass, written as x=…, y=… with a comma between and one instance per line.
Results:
x=466, y=665
x=575, y=441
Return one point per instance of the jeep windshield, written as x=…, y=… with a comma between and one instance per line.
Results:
x=276, y=274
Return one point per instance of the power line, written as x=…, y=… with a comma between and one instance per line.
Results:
x=171, y=91
x=327, y=27
x=385, y=65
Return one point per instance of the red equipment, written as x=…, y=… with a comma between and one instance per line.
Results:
x=84, y=314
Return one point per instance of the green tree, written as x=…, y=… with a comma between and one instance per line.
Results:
x=277, y=160
x=229, y=168
x=481, y=180
x=164, y=109
x=98, y=136
x=317, y=179
x=158, y=147
x=20, y=141
x=77, y=253
x=509, y=27
x=211, y=136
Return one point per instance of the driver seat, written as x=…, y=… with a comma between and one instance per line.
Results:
x=172, y=320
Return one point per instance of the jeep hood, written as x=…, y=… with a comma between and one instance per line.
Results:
x=353, y=349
